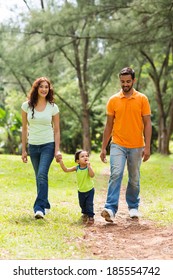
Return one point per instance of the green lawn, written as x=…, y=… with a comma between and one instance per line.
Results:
x=23, y=237
x=157, y=189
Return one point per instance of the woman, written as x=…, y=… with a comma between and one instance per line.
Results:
x=40, y=129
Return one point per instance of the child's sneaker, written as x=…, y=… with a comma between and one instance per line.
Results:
x=90, y=221
x=84, y=218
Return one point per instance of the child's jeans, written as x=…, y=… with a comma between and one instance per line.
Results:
x=86, y=202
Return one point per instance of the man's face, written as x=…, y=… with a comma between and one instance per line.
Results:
x=126, y=83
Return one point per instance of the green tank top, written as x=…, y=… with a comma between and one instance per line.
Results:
x=85, y=182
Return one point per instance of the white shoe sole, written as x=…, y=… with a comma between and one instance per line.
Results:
x=107, y=216
x=134, y=213
x=39, y=215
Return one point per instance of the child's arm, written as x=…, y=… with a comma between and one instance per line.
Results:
x=65, y=169
x=90, y=170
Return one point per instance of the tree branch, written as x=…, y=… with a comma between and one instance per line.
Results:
x=26, y=4
x=68, y=105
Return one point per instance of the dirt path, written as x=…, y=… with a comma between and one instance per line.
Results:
x=126, y=238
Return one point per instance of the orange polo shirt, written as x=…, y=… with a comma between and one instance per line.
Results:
x=128, y=124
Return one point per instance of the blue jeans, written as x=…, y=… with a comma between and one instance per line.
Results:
x=86, y=202
x=118, y=157
x=41, y=158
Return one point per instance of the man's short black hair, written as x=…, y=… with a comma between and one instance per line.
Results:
x=127, y=71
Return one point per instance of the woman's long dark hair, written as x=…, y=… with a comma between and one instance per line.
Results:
x=33, y=94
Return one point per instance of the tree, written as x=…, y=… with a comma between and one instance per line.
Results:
x=80, y=45
x=150, y=34
x=157, y=18
x=164, y=98
x=10, y=126
x=72, y=31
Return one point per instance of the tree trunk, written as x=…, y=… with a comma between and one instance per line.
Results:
x=81, y=71
x=86, y=131
x=160, y=79
x=163, y=138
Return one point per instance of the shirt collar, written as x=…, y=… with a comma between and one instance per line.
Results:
x=132, y=96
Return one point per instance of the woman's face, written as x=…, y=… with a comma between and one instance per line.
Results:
x=43, y=89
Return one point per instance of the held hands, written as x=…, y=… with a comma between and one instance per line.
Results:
x=24, y=157
x=58, y=156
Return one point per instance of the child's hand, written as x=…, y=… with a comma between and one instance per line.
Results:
x=90, y=170
x=58, y=157
x=88, y=164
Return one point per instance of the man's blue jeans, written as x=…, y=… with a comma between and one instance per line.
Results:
x=41, y=158
x=118, y=157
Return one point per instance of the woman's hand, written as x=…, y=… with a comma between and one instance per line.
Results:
x=24, y=157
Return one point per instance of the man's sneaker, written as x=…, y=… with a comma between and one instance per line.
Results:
x=39, y=215
x=134, y=213
x=108, y=215
x=47, y=211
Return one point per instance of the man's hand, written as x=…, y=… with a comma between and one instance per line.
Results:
x=103, y=155
x=146, y=154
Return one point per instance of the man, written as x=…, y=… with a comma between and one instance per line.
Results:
x=129, y=124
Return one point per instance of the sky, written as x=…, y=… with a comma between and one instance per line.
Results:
x=6, y=7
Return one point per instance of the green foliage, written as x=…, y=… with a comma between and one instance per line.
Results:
x=105, y=36
x=10, y=125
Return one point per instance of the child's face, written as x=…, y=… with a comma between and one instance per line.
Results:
x=83, y=158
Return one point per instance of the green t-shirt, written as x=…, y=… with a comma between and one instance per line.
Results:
x=40, y=130
x=85, y=182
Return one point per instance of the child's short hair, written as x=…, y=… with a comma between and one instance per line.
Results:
x=76, y=156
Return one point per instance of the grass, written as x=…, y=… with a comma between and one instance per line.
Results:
x=23, y=237
x=157, y=189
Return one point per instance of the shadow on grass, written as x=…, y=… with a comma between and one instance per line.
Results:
x=55, y=221
x=26, y=220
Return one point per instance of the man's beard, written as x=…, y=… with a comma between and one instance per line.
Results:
x=126, y=89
